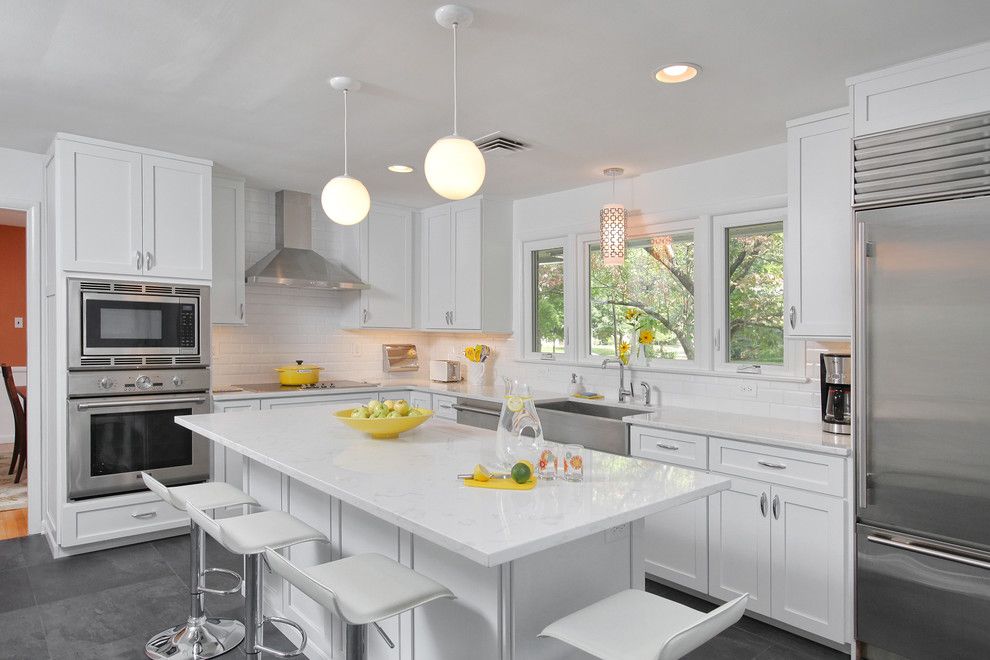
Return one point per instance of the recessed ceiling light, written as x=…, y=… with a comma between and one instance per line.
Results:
x=401, y=169
x=678, y=72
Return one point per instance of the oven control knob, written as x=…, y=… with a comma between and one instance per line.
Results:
x=106, y=383
x=177, y=381
x=143, y=383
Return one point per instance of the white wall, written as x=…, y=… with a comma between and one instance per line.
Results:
x=22, y=175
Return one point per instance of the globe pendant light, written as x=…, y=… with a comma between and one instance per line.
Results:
x=454, y=166
x=612, y=223
x=345, y=200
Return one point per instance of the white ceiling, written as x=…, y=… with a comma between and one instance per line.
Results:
x=243, y=81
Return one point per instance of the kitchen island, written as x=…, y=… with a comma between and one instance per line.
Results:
x=516, y=560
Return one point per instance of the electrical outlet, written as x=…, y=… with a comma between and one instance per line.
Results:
x=617, y=533
x=746, y=389
x=18, y=321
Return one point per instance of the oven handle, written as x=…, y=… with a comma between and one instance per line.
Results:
x=155, y=402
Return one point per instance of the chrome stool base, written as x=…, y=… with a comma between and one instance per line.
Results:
x=196, y=639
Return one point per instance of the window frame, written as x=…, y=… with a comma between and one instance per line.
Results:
x=792, y=358
x=702, y=286
x=527, y=316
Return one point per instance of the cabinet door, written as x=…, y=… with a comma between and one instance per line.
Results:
x=227, y=293
x=739, y=543
x=676, y=545
x=228, y=465
x=818, y=236
x=178, y=218
x=421, y=400
x=386, y=265
x=466, y=221
x=341, y=401
x=100, y=209
x=807, y=544
x=438, y=268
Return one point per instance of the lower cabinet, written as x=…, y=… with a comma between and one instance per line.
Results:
x=319, y=400
x=676, y=543
x=421, y=400
x=228, y=465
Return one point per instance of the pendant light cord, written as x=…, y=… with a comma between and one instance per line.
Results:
x=345, y=133
x=455, y=78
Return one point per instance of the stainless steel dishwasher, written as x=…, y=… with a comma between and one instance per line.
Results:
x=478, y=413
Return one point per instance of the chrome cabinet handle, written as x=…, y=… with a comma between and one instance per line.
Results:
x=775, y=466
x=451, y=317
x=792, y=316
x=776, y=507
x=931, y=552
x=150, y=260
x=763, y=505
x=151, y=401
x=242, y=311
x=471, y=409
x=364, y=316
x=661, y=445
x=446, y=405
x=144, y=516
x=140, y=260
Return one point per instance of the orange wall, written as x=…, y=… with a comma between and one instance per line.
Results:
x=13, y=295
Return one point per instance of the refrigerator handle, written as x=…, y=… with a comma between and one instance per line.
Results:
x=859, y=366
x=928, y=551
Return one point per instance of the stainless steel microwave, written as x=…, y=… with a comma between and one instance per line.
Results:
x=115, y=324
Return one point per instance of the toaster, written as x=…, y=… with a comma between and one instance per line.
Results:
x=445, y=371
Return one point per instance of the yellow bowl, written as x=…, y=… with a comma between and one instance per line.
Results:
x=383, y=428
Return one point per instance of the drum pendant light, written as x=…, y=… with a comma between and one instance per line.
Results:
x=454, y=166
x=612, y=223
x=345, y=200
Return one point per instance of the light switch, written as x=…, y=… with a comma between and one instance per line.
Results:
x=18, y=321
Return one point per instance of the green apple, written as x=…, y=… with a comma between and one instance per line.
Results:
x=415, y=412
x=360, y=413
x=402, y=408
x=393, y=414
x=388, y=403
x=373, y=404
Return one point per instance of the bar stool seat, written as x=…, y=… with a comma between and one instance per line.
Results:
x=361, y=589
x=635, y=625
x=208, y=495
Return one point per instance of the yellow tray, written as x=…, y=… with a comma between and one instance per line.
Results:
x=501, y=484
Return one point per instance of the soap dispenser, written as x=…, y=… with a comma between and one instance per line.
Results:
x=575, y=387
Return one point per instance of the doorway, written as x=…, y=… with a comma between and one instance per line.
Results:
x=13, y=357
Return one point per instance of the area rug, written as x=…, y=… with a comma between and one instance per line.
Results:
x=12, y=496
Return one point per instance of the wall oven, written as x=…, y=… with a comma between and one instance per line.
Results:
x=114, y=325
x=122, y=422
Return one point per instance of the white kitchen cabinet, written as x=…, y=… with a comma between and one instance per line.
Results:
x=443, y=406
x=421, y=400
x=123, y=210
x=344, y=401
x=676, y=545
x=739, y=544
x=227, y=294
x=387, y=267
x=228, y=465
x=467, y=266
x=818, y=234
x=807, y=550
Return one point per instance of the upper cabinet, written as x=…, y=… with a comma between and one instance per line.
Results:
x=467, y=266
x=818, y=237
x=127, y=211
x=386, y=246
x=945, y=86
x=227, y=294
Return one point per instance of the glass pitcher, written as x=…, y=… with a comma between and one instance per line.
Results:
x=520, y=433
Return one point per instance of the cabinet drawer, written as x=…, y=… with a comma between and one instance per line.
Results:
x=443, y=406
x=674, y=447
x=113, y=522
x=788, y=467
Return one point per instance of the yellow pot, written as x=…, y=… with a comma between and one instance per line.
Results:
x=299, y=374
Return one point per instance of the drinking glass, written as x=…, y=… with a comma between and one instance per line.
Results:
x=572, y=460
x=549, y=461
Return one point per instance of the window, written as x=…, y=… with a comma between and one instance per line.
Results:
x=646, y=305
x=547, y=312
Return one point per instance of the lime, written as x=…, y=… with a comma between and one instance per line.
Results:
x=522, y=472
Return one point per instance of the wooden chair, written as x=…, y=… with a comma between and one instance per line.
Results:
x=19, y=458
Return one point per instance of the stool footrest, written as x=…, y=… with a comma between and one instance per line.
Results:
x=219, y=592
x=284, y=654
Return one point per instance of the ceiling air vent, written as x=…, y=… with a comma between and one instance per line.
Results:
x=501, y=143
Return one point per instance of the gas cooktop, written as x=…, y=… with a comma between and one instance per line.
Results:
x=262, y=388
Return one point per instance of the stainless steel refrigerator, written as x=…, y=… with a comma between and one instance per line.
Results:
x=922, y=391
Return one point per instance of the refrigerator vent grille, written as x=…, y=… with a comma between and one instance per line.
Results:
x=943, y=159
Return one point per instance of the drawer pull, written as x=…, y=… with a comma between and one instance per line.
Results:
x=661, y=445
x=446, y=406
x=775, y=466
x=144, y=516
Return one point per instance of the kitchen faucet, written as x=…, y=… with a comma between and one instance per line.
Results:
x=624, y=394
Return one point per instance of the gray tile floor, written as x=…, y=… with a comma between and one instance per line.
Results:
x=105, y=605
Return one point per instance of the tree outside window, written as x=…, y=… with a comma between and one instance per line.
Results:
x=755, y=293
x=548, y=300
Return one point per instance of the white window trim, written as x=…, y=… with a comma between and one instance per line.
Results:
x=793, y=351
x=526, y=250
x=702, y=288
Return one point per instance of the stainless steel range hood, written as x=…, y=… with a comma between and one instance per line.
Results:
x=293, y=261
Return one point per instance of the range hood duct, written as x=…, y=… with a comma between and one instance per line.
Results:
x=293, y=261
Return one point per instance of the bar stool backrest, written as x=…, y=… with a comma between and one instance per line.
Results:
x=303, y=582
x=159, y=489
x=716, y=621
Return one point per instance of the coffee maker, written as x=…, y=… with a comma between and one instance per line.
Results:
x=836, y=395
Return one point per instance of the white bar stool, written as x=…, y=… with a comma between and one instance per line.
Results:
x=200, y=636
x=635, y=625
x=361, y=589
x=249, y=535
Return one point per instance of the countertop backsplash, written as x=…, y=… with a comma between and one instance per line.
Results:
x=296, y=324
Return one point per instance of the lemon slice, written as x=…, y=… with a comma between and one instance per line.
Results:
x=515, y=403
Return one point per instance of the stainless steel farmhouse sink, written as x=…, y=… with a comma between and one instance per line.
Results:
x=593, y=425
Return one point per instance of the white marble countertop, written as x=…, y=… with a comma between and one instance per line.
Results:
x=411, y=482
x=748, y=428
